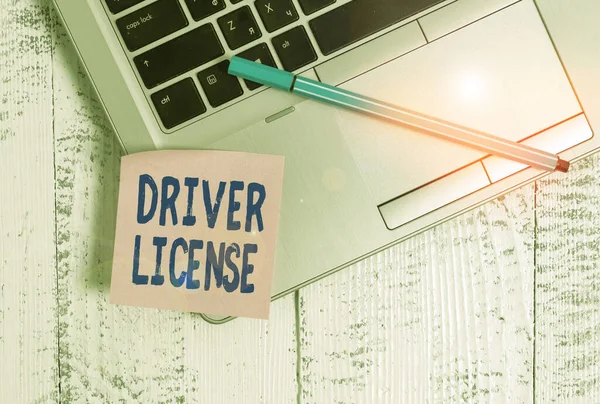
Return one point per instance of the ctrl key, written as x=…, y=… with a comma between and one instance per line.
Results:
x=178, y=103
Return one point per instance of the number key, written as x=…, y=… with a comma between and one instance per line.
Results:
x=239, y=27
x=276, y=13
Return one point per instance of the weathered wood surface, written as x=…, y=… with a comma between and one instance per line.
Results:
x=28, y=328
x=446, y=316
x=568, y=286
x=499, y=305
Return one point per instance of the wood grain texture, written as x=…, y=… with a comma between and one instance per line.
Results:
x=114, y=353
x=568, y=286
x=446, y=316
x=28, y=331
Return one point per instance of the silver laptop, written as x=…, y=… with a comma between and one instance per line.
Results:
x=353, y=185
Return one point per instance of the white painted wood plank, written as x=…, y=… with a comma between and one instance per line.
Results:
x=568, y=286
x=446, y=316
x=110, y=353
x=28, y=332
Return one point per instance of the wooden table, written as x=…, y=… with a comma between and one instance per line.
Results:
x=501, y=304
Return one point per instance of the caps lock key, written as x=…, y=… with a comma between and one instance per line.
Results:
x=150, y=23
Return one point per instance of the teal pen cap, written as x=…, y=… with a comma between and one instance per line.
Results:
x=260, y=73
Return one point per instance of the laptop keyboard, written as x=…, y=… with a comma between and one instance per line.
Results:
x=280, y=33
x=151, y=23
x=361, y=19
x=179, y=55
x=275, y=15
x=294, y=48
x=203, y=9
x=311, y=6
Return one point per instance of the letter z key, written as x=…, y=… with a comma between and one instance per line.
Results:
x=239, y=27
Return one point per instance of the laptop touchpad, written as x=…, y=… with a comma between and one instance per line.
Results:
x=500, y=75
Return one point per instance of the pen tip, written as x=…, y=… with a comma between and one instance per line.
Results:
x=562, y=165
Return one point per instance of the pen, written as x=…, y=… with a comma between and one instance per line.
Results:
x=316, y=90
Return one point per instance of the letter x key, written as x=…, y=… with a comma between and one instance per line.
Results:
x=276, y=14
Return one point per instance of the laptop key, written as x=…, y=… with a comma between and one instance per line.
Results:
x=151, y=23
x=276, y=13
x=294, y=48
x=239, y=27
x=179, y=55
x=361, y=19
x=200, y=9
x=261, y=54
x=311, y=6
x=218, y=85
x=116, y=6
x=178, y=103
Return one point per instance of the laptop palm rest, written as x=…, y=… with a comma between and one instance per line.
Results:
x=324, y=195
x=499, y=75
